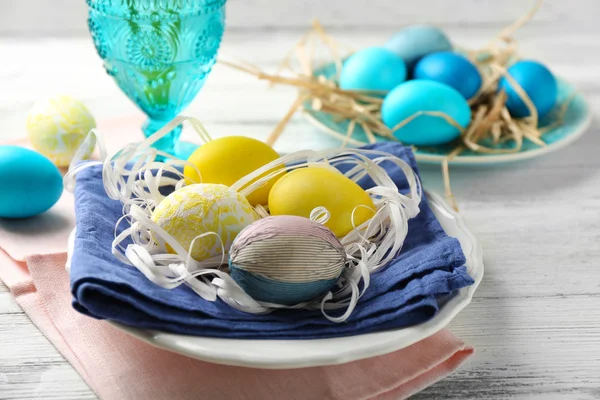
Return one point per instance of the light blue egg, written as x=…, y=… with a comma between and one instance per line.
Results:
x=30, y=183
x=416, y=41
x=421, y=95
x=539, y=84
x=373, y=68
x=453, y=69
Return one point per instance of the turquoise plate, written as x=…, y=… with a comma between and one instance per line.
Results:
x=576, y=122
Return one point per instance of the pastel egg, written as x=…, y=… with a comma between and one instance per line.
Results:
x=455, y=70
x=57, y=127
x=416, y=41
x=373, y=68
x=31, y=183
x=201, y=208
x=421, y=95
x=302, y=190
x=539, y=84
x=228, y=159
x=286, y=260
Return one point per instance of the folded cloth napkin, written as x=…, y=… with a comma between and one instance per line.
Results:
x=404, y=293
x=118, y=366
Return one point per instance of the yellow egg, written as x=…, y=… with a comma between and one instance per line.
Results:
x=201, y=208
x=304, y=189
x=57, y=127
x=228, y=159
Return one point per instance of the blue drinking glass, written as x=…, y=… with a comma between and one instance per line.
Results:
x=159, y=52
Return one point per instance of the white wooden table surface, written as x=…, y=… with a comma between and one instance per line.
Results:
x=535, y=320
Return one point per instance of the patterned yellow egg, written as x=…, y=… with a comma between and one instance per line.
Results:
x=57, y=126
x=201, y=208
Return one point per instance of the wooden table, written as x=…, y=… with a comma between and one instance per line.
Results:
x=535, y=320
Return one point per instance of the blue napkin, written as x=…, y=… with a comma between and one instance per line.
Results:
x=430, y=265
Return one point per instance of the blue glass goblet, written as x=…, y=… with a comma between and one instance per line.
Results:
x=159, y=52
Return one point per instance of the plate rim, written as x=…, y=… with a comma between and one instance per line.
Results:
x=488, y=159
x=380, y=343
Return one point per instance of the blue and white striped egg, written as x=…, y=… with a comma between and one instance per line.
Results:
x=286, y=260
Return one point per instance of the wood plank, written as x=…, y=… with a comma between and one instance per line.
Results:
x=547, y=346
x=34, y=18
x=30, y=366
x=8, y=305
x=534, y=348
x=76, y=70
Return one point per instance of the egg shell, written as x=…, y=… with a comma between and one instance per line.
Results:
x=197, y=209
x=228, y=159
x=539, y=84
x=373, y=68
x=57, y=126
x=286, y=260
x=422, y=95
x=302, y=190
x=416, y=41
x=452, y=69
x=31, y=183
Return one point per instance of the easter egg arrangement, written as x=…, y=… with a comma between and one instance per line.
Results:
x=294, y=231
x=452, y=104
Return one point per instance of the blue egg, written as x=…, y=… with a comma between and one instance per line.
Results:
x=416, y=41
x=421, y=95
x=453, y=69
x=373, y=68
x=539, y=84
x=30, y=183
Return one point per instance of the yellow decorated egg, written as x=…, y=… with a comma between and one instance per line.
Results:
x=201, y=208
x=57, y=127
x=302, y=190
x=228, y=159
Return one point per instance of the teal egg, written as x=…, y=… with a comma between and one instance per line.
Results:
x=423, y=95
x=373, y=68
x=416, y=41
x=453, y=69
x=31, y=183
x=539, y=84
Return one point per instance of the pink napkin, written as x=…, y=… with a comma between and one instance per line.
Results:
x=117, y=366
x=48, y=232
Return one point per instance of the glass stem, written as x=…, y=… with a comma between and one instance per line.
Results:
x=168, y=142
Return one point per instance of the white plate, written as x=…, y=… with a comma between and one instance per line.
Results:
x=279, y=354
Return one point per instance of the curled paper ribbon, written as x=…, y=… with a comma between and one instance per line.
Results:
x=135, y=177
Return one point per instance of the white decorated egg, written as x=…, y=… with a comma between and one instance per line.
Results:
x=57, y=126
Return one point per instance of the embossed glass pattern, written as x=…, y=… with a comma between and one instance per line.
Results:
x=159, y=52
